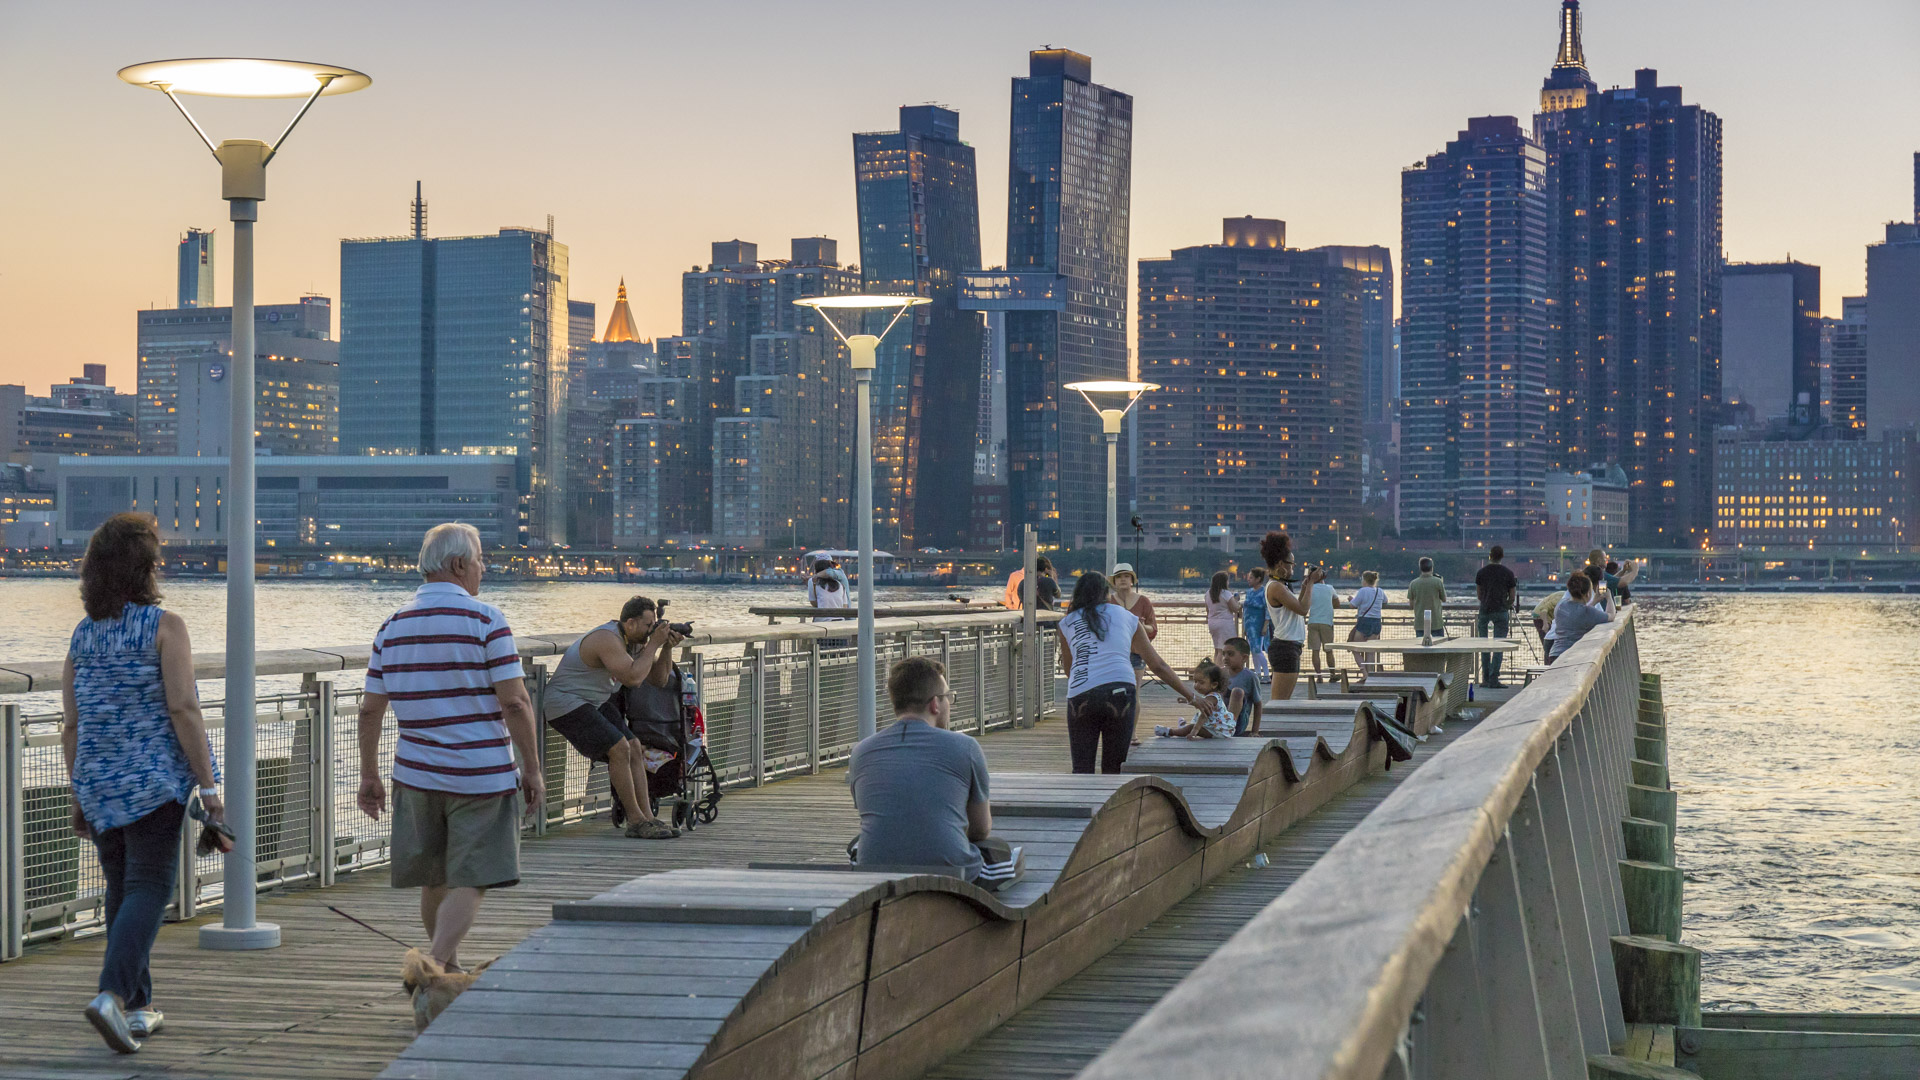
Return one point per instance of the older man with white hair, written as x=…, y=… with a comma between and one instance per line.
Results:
x=447, y=664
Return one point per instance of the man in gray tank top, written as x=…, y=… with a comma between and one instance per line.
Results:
x=582, y=704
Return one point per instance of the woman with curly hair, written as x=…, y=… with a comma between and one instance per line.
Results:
x=1286, y=613
x=136, y=751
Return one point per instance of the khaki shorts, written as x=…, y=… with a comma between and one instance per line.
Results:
x=455, y=841
x=1319, y=635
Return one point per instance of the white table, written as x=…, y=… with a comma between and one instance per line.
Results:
x=1456, y=656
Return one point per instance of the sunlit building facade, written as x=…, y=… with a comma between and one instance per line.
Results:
x=1473, y=343
x=1834, y=496
x=459, y=345
x=1068, y=205
x=919, y=232
x=1258, y=352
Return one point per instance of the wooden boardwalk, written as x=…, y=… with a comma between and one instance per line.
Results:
x=328, y=1002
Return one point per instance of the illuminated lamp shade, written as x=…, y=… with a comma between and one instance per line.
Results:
x=857, y=302
x=242, y=77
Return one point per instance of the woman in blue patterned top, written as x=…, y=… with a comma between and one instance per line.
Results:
x=136, y=748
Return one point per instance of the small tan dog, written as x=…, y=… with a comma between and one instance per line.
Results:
x=432, y=986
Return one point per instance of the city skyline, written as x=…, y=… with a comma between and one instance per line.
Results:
x=1819, y=160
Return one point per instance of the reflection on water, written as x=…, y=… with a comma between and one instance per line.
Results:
x=1794, y=742
x=1792, y=738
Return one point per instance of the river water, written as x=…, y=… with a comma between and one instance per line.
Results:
x=1794, y=744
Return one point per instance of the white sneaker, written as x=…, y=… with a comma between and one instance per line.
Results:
x=1162, y=730
x=146, y=1023
x=108, y=1017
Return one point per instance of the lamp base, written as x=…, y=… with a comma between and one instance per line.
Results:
x=240, y=939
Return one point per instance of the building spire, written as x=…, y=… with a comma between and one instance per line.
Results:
x=1571, y=54
x=1568, y=84
x=620, y=325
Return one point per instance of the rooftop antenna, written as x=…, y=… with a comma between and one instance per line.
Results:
x=419, y=213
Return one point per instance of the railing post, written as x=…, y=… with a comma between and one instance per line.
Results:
x=757, y=686
x=946, y=661
x=537, y=676
x=1456, y=1033
x=980, y=680
x=1509, y=985
x=1029, y=633
x=1548, y=942
x=1590, y=957
x=813, y=706
x=325, y=705
x=13, y=838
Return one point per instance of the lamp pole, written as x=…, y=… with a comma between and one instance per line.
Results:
x=243, y=184
x=863, y=347
x=1110, y=423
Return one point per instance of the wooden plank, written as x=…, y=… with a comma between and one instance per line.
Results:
x=1714, y=1053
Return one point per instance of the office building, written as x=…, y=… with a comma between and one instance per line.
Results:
x=580, y=327
x=1258, y=352
x=1818, y=495
x=296, y=408
x=919, y=232
x=740, y=326
x=1587, y=509
x=989, y=527
x=1770, y=341
x=1473, y=344
x=1068, y=198
x=302, y=502
x=459, y=345
x=1843, y=369
x=172, y=337
x=603, y=388
x=1379, y=370
x=1634, y=342
x=85, y=416
x=195, y=271
x=1893, y=343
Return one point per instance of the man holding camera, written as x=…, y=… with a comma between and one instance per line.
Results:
x=583, y=703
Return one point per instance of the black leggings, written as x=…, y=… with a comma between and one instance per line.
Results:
x=1102, y=713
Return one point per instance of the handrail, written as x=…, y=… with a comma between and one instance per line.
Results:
x=1328, y=981
x=44, y=675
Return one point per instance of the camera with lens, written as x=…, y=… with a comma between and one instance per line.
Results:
x=684, y=629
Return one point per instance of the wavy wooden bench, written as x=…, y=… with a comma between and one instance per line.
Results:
x=768, y=973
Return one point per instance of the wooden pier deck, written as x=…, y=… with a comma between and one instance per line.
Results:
x=328, y=1002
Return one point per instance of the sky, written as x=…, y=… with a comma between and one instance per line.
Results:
x=650, y=129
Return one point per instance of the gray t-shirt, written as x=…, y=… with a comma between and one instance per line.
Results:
x=911, y=784
x=1571, y=621
x=1248, y=684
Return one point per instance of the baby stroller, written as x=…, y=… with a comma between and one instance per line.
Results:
x=671, y=729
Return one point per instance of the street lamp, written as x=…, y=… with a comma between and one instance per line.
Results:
x=243, y=183
x=1110, y=424
x=863, y=347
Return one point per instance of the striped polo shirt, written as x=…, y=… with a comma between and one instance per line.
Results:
x=436, y=660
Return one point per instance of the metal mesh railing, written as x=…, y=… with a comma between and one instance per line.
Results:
x=782, y=706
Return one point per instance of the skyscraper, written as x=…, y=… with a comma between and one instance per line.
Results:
x=195, y=288
x=458, y=345
x=1068, y=190
x=1893, y=337
x=1634, y=251
x=1473, y=348
x=171, y=340
x=1843, y=368
x=1257, y=349
x=919, y=231
x=1770, y=333
x=1380, y=399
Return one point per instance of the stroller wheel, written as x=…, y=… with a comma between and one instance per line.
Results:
x=679, y=815
x=708, y=813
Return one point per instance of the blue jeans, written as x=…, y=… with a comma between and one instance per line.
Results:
x=1490, y=662
x=139, y=861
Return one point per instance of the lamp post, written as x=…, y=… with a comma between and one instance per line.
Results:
x=243, y=183
x=863, y=347
x=1110, y=425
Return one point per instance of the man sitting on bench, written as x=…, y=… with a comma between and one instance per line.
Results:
x=922, y=790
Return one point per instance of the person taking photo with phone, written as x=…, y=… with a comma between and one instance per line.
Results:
x=137, y=753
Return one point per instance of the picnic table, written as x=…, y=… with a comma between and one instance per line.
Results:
x=1457, y=657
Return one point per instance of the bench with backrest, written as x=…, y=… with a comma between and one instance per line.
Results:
x=817, y=973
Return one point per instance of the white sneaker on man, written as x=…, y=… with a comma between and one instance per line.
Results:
x=109, y=1018
x=146, y=1023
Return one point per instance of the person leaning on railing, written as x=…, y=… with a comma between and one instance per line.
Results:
x=136, y=748
x=1576, y=615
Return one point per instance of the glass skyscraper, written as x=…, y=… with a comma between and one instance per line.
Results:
x=919, y=231
x=1068, y=189
x=458, y=345
x=195, y=272
x=1473, y=349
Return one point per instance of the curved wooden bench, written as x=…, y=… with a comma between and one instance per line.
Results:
x=814, y=973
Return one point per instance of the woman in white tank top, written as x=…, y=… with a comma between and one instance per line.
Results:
x=1097, y=641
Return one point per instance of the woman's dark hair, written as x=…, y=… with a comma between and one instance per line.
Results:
x=1089, y=592
x=1276, y=547
x=1579, y=585
x=827, y=582
x=1594, y=574
x=1220, y=583
x=1043, y=565
x=122, y=566
x=1258, y=574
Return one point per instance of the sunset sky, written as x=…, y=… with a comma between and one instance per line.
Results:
x=650, y=129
